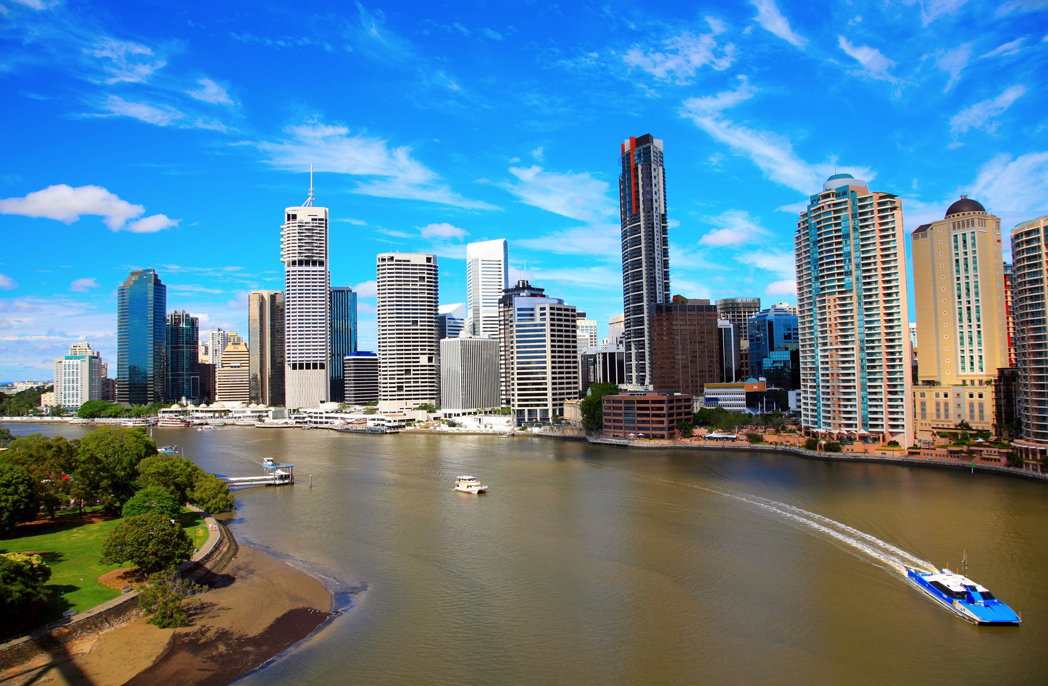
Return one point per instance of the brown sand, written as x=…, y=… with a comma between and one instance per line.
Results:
x=259, y=607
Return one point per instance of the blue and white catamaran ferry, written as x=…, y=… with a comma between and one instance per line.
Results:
x=963, y=596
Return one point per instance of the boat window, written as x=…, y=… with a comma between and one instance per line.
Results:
x=986, y=595
x=939, y=586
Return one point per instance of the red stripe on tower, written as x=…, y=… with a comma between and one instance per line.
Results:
x=633, y=171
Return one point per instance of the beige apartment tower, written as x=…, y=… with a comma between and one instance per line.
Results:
x=962, y=329
x=408, y=347
x=233, y=377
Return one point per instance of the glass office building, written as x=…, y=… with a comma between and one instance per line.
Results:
x=343, y=338
x=141, y=333
x=183, y=373
x=771, y=330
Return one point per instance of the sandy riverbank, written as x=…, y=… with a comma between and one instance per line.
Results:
x=258, y=607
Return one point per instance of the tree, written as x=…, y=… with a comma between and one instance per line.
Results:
x=113, y=454
x=98, y=408
x=833, y=447
x=592, y=406
x=6, y=438
x=18, y=497
x=710, y=416
x=22, y=579
x=150, y=541
x=153, y=499
x=171, y=472
x=164, y=597
x=22, y=403
x=755, y=438
x=812, y=444
x=685, y=429
x=51, y=462
x=211, y=494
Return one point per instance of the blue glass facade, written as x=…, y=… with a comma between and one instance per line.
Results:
x=343, y=338
x=183, y=372
x=774, y=330
x=141, y=332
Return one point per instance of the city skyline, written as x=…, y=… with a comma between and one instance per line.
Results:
x=197, y=158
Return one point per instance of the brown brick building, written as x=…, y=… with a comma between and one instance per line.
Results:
x=687, y=347
x=654, y=415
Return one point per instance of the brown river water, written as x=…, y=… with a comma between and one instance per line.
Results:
x=595, y=565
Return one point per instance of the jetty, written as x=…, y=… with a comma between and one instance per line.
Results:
x=273, y=474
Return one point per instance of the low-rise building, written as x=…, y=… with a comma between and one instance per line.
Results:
x=941, y=409
x=730, y=396
x=573, y=412
x=647, y=415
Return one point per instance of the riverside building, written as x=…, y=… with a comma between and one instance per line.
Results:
x=469, y=373
x=265, y=343
x=645, y=250
x=1030, y=299
x=360, y=370
x=487, y=275
x=773, y=340
x=853, y=313
x=343, y=328
x=141, y=332
x=304, y=252
x=962, y=326
x=182, y=367
x=738, y=311
x=687, y=346
x=408, y=352
x=538, y=354
x=78, y=376
x=233, y=377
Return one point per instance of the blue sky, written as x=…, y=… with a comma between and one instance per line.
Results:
x=173, y=135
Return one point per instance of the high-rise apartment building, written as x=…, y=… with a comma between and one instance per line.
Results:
x=960, y=297
x=78, y=376
x=183, y=373
x=343, y=338
x=451, y=320
x=487, y=275
x=645, y=250
x=360, y=370
x=217, y=341
x=469, y=373
x=304, y=252
x=687, y=346
x=233, y=377
x=408, y=352
x=1030, y=300
x=538, y=354
x=851, y=290
x=141, y=333
x=265, y=342
x=1009, y=316
x=738, y=311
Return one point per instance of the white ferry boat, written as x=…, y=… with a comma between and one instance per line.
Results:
x=470, y=484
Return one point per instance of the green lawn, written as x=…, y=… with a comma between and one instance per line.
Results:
x=72, y=549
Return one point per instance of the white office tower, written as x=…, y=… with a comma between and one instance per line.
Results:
x=408, y=364
x=469, y=373
x=304, y=252
x=216, y=342
x=487, y=275
x=616, y=329
x=451, y=320
x=586, y=332
x=78, y=376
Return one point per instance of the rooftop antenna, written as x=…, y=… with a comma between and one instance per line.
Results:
x=309, y=200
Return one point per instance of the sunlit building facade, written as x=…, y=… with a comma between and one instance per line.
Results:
x=141, y=336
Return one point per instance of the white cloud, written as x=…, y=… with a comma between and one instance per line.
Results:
x=684, y=56
x=981, y=114
x=1010, y=48
x=594, y=240
x=491, y=33
x=66, y=204
x=7, y=283
x=211, y=92
x=933, y=9
x=782, y=264
x=769, y=16
x=32, y=4
x=335, y=149
x=443, y=230
x=538, y=153
x=357, y=222
x=873, y=63
x=953, y=62
x=736, y=227
x=83, y=285
x=366, y=289
x=160, y=115
x=1013, y=189
x=1021, y=6
x=575, y=195
x=784, y=287
x=127, y=62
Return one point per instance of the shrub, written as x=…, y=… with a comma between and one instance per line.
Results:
x=812, y=444
x=164, y=598
x=755, y=438
x=150, y=541
x=833, y=447
x=22, y=579
x=894, y=444
x=153, y=499
x=685, y=429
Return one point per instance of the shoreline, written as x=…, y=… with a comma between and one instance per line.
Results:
x=257, y=606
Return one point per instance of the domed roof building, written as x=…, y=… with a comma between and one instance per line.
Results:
x=965, y=205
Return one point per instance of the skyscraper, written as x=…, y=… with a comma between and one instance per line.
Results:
x=851, y=291
x=738, y=311
x=645, y=250
x=343, y=338
x=586, y=332
x=772, y=330
x=1030, y=299
x=265, y=340
x=78, y=376
x=616, y=330
x=183, y=374
x=141, y=332
x=304, y=252
x=233, y=377
x=487, y=275
x=408, y=352
x=1009, y=313
x=217, y=341
x=538, y=354
x=686, y=348
x=469, y=373
x=451, y=320
x=730, y=350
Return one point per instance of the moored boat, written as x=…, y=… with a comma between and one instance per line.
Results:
x=964, y=597
x=470, y=484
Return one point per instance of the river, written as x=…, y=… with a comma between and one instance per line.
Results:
x=596, y=565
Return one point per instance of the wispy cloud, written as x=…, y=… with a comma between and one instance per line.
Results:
x=981, y=115
x=933, y=9
x=125, y=61
x=443, y=230
x=66, y=204
x=159, y=115
x=953, y=62
x=682, y=57
x=736, y=228
x=874, y=64
x=393, y=172
x=769, y=17
x=600, y=241
x=7, y=283
x=211, y=92
x=577, y=195
x=83, y=285
x=1012, y=188
x=1007, y=49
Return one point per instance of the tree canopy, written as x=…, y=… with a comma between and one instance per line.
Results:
x=52, y=462
x=18, y=496
x=153, y=499
x=150, y=541
x=592, y=406
x=111, y=455
x=22, y=579
x=187, y=482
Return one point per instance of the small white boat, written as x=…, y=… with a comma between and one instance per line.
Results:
x=470, y=484
x=206, y=427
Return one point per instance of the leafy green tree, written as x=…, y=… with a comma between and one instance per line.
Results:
x=51, y=462
x=6, y=438
x=22, y=403
x=592, y=406
x=812, y=444
x=710, y=416
x=164, y=597
x=174, y=473
x=94, y=409
x=22, y=579
x=150, y=541
x=755, y=438
x=18, y=496
x=153, y=499
x=113, y=454
x=211, y=494
x=833, y=447
x=685, y=429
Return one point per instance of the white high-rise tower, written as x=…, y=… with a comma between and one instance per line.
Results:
x=487, y=275
x=304, y=252
x=408, y=348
